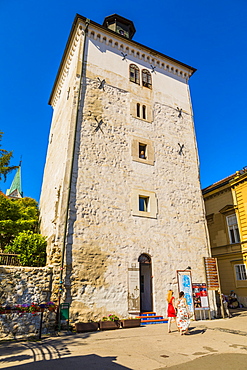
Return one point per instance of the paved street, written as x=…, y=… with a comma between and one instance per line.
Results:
x=216, y=344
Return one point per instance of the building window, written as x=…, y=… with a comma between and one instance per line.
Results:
x=141, y=110
x=240, y=271
x=146, y=78
x=233, y=229
x=142, y=150
x=143, y=204
x=134, y=74
x=144, y=111
x=138, y=110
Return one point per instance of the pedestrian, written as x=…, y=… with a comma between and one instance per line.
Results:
x=171, y=313
x=218, y=304
x=233, y=300
x=225, y=305
x=183, y=319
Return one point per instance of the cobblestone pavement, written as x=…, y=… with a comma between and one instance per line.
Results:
x=216, y=344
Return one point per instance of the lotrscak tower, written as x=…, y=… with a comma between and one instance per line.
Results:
x=121, y=203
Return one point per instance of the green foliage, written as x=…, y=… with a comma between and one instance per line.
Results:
x=110, y=318
x=5, y=158
x=30, y=247
x=17, y=215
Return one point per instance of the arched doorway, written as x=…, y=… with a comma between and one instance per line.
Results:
x=146, y=296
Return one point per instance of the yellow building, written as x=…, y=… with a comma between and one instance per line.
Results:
x=226, y=212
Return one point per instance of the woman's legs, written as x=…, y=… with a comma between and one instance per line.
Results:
x=169, y=324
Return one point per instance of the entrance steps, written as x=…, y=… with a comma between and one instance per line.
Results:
x=148, y=318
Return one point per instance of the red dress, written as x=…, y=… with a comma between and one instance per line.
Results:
x=171, y=310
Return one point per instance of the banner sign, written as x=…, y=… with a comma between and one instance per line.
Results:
x=200, y=296
x=185, y=285
x=211, y=273
x=134, y=290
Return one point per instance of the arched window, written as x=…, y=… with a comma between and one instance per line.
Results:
x=146, y=78
x=144, y=111
x=134, y=74
x=138, y=110
x=144, y=258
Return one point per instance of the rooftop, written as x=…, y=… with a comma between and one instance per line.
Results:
x=223, y=182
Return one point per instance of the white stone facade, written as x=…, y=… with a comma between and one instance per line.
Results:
x=107, y=232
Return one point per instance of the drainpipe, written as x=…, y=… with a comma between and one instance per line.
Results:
x=83, y=74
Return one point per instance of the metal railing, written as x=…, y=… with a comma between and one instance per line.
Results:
x=9, y=259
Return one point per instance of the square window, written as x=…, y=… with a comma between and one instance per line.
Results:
x=142, y=151
x=143, y=204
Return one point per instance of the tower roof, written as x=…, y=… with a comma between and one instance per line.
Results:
x=121, y=25
x=15, y=190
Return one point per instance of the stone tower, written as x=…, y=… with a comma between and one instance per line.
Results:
x=121, y=203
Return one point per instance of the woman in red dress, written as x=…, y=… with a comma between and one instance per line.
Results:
x=171, y=313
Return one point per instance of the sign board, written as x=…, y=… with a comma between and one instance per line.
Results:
x=185, y=285
x=200, y=296
x=133, y=290
x=211, y=273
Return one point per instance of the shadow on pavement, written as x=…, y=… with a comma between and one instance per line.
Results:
x=223, y=361
x=45, y=349
x=33, y=351
x=195, y=331
x=92, y=362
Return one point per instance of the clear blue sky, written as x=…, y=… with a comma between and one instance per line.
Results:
x=208, y=35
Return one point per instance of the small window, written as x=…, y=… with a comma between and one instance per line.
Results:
x=138, y=110
x=233, y=229
x=240, y=271
x=134, y=74
x=143, y=204
x=144, y=111
x=141, y=110
x=146, y=78
x=142, y=151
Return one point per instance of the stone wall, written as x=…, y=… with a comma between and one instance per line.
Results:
x=16, y=325
x=20, y=285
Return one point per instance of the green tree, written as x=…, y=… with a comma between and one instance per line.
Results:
x=17, y=215
x=30, y=247
x=5, y=158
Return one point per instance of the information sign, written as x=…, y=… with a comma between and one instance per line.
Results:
x=134, y=290
x=200, y=296
x=185, y=285
x=211, y=273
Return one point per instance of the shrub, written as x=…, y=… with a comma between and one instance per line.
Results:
x=30, y=247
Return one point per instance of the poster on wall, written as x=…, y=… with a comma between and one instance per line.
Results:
x=200, y=296
x=133, y=290
x=185, y=285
